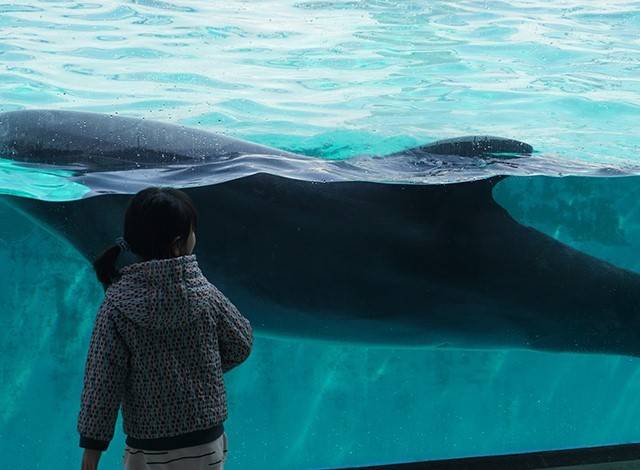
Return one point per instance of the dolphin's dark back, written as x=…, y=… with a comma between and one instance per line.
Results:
x=107, y=142
x=359, y=261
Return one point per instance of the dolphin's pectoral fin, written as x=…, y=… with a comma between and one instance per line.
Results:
x=473, y=146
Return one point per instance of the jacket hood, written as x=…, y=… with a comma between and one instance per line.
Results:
x=167, y=293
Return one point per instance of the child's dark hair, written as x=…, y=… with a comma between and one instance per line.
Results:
x=154, y=218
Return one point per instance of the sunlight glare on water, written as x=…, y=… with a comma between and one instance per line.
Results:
x=339, y=78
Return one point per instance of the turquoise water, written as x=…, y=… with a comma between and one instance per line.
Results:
x=333, y=80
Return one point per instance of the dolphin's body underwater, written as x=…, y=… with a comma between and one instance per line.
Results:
x=440, y=265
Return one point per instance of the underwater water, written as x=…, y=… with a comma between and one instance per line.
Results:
x=334, y=80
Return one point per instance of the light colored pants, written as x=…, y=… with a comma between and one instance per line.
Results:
x=209, y=456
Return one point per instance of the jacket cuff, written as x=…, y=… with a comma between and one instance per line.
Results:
x=94, y=444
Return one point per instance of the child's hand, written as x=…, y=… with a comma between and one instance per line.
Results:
x=90, y=459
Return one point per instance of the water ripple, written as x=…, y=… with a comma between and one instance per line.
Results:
x=563, y=76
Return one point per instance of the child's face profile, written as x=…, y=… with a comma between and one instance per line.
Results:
x=179, y=249
x=191, y=242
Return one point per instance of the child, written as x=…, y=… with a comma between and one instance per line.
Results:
x=162, y=339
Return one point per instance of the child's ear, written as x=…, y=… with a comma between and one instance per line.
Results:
x=176, y=249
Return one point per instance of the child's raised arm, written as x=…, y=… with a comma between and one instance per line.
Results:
x=235, y=335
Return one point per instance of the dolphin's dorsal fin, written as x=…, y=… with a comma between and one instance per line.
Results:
x=472, y=146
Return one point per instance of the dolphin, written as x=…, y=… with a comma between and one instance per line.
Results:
x=321, y=249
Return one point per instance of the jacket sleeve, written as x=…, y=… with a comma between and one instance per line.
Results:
x=235, y=335
x=106, y=371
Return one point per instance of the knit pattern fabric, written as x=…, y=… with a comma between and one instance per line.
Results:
x=162, y=339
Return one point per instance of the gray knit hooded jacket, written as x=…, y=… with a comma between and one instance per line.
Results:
x=162, y=339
